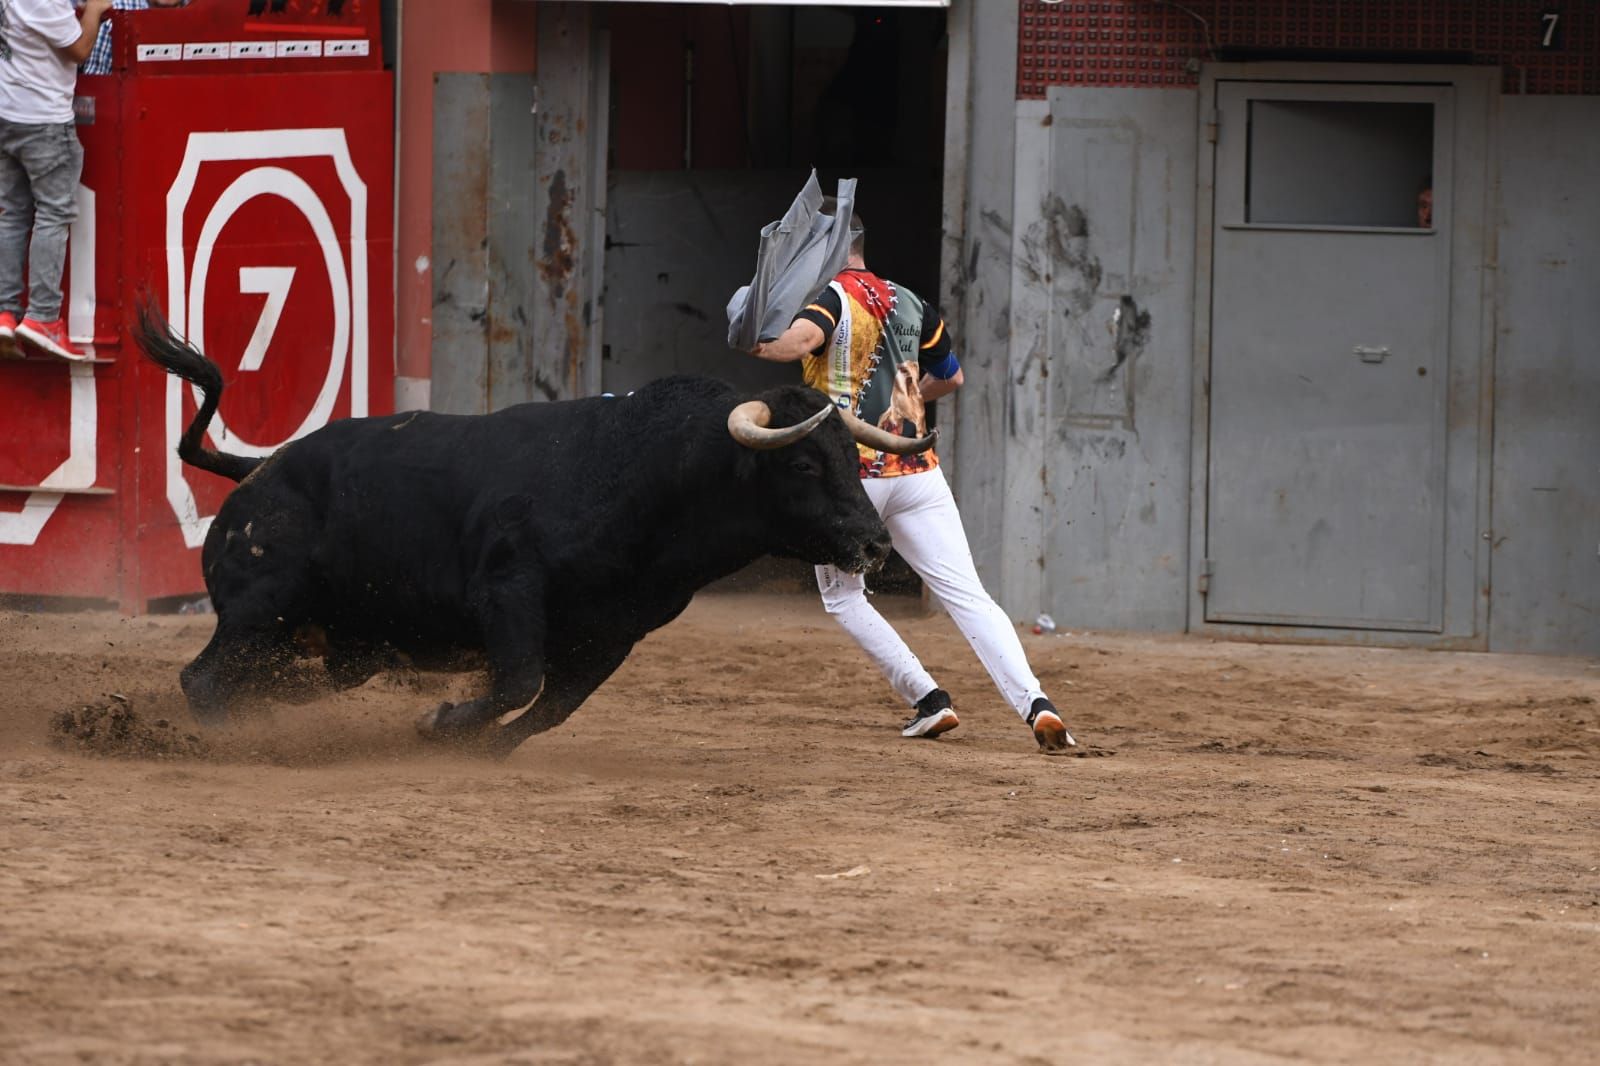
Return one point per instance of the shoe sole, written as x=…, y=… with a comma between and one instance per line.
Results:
x=39, y=342
x=1052, y=735
x=931, y=726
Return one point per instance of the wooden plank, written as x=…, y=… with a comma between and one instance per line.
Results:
x=90, y=491
x=460, y=243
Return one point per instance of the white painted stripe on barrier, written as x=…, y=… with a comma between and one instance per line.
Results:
x=77, y=471
x=206, y=50
x=159, y=53
x=302, y=49
x=347, y=48
x=81, y=301
x=252, y=50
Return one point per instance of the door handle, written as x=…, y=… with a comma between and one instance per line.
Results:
x=1371, y=355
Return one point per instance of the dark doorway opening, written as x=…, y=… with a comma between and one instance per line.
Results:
x=717, y=115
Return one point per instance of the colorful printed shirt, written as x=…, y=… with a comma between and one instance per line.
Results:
x=872, y=356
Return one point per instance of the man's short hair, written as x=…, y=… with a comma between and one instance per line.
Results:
x=858, y=228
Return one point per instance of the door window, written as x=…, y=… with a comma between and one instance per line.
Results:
x=1340, y=163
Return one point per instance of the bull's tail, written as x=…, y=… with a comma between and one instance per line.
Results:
x=171, y=353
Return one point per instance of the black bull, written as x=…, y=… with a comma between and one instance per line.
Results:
x=551, y=537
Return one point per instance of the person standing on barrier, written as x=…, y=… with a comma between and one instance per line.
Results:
x=99, y=61
x=880, y=351
x=41, y=44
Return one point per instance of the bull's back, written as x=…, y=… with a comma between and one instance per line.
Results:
x=391, y=518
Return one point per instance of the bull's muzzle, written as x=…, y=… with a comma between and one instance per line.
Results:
x=874, y=553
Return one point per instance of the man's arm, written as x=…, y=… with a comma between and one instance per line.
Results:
x=89, y=29
x=932, y=388
x=797, y=342
x=941, y=370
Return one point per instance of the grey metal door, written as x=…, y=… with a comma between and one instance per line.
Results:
x=1329, y=339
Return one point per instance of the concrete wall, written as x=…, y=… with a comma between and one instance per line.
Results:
x=471, y=36
x=1071, y=447
x=980, y=165
x=568, y=201
x=516, y=216
x=482, y=269
x=1068, y=272
x=1100, y=357
x=1546, y=490
x=1071, y=462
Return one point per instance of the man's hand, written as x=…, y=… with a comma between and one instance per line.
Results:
x=797, y=342
x=89, y=29
x=932, y=388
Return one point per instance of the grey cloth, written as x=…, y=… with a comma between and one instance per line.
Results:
x=39, y=170
x=799, y=255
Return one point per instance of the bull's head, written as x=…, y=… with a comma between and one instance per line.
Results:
x=810, y=476
x=748, y=424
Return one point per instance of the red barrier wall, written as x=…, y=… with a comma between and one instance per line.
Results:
x=250, y=191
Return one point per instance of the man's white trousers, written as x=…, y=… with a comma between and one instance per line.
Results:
x=926, y=530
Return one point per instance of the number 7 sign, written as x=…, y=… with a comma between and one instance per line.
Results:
x=1550, y=35
x=267, y=164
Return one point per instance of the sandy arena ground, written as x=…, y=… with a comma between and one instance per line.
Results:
x=1273, y=854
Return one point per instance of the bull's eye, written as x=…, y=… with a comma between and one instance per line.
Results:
x=805, y=467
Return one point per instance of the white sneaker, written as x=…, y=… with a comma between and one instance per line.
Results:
x=1048, y=728
x=933, y=716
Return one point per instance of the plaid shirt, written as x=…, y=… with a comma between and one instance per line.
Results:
x=99, y=61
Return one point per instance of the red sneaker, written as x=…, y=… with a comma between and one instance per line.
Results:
x=48, y=337
x=8, y=335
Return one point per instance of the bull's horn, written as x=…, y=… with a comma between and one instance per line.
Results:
x=748, y=425
x=881, y=440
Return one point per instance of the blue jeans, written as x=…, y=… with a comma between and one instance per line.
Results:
x=39, y=170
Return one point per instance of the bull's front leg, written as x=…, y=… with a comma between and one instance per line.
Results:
x=573, y=678
x=514, y=639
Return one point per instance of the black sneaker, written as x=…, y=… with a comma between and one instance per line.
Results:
x=933, y=716
x=1048, y=728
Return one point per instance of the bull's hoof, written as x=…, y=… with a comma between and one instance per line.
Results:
x=444, y=725
x=210, y=721
x=431, y=725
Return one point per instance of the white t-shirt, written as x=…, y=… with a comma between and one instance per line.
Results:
x=36, y=80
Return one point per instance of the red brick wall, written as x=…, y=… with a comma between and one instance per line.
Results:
x=1141, y=43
